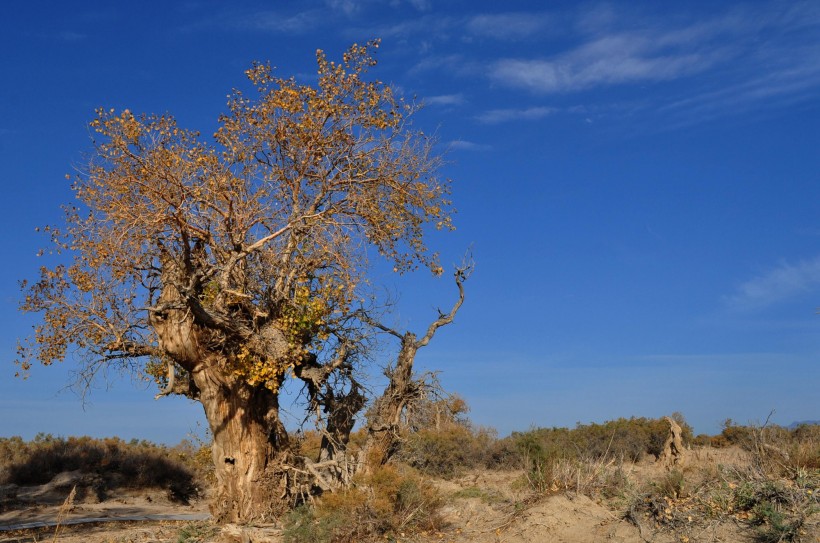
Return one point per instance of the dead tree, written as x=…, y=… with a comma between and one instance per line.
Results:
x=384, y=424
x=673, y=451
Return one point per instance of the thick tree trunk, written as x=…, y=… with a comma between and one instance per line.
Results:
x=250, y=448
x=250, y=444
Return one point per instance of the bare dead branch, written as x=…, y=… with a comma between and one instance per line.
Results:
x=461, y=274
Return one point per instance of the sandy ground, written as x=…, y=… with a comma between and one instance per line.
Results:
x=563, y=517
x=482, y=507
x=38, y=513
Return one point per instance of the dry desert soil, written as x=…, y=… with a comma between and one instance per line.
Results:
x=480, y=507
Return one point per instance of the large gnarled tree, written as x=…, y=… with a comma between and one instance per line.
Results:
x=223, y=269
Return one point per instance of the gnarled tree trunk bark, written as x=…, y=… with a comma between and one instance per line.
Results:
x=385, y=419
x=250, y=443
x=250, y=448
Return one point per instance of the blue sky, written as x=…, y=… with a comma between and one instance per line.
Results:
x=639, y=182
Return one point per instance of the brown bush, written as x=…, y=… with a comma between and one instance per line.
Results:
x=777, y=450
x=733, y=434
x=388, y=503
x=114, y=462
x=447, y=452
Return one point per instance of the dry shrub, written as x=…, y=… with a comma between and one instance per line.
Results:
x=198, y=457
x=801, y=445
x=447, y=452
x=114, y=462
x=629, y=439
x=388, y=503
x=307, y=443
x=552, y=469
x=777, y=450
x=438, y=438
x=778, y=508
x=13, y=450
x=732, y=434
x=589, y=458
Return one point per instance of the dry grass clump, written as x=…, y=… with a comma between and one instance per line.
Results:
x=605, y=477
x=110, y=462
x=391, y=502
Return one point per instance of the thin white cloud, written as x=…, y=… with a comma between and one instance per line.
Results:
x=463, y=145
x=445, y=100
x=609, y=60
x=753, y=58
x=508, y=26
x=496, y=116
x=421, y=5
x=784, y=83
x=777, y=285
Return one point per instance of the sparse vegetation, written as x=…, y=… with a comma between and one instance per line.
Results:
x=774, y=490
x=107, y=463
x=762, y=480
x=197, y=532
x=447, y=452
x=388, y=503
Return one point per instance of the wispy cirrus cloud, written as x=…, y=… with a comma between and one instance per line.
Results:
x=441, y=28
x=464, y=145
x=746, y=57
x=609, y=60
x=785, y=83
x=421, y=5
x=776, y=285
x=445, y=100
x=508, y=26
x=453, y=63
x=496, y=116
x=428, y=26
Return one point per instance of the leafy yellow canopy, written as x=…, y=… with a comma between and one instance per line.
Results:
x=256, y=241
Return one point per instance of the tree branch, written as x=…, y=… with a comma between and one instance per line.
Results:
x=461, y=274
